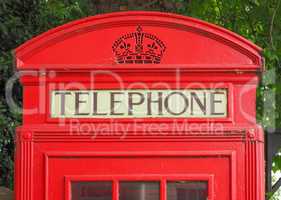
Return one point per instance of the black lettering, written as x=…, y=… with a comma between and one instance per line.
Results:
x=113, y=103
x=78, y=102
x=158, y=101
x=201, y=105
x=131, y=103
x=166, y=103
x=213, y=102
x=62, y=102
x=95, y=105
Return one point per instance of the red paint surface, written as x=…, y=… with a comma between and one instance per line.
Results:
x=226, y=152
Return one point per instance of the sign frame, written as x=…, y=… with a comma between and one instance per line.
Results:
x=100, y=86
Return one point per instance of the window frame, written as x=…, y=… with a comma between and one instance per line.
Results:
x=162, y=179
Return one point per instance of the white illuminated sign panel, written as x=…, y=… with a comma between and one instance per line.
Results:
x=189, y=103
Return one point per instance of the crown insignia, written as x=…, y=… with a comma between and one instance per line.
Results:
x=138, y=47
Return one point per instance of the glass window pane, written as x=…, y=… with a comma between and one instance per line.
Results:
x=139, y=190
x=187, y=190
x=100, y=190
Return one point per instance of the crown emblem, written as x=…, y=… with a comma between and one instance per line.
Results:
x=139, y=48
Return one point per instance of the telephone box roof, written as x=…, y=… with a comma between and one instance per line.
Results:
x=139, y=40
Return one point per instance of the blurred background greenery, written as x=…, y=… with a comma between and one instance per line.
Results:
x=256, y=20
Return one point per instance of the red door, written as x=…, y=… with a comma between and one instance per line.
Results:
x=138, y=171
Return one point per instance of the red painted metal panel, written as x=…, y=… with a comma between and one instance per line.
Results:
x=190, y=44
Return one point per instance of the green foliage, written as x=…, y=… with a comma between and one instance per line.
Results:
x=256, y=20
x=19, y=22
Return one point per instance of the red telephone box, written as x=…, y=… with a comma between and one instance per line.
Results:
x=139, y=106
